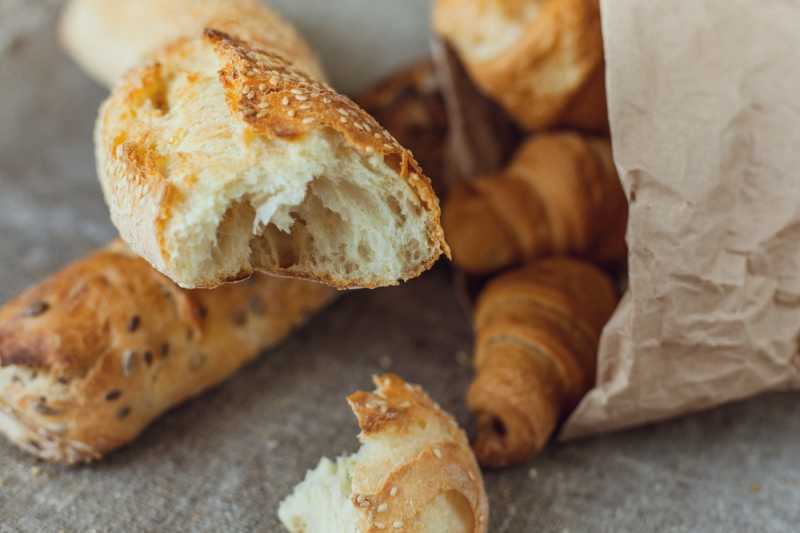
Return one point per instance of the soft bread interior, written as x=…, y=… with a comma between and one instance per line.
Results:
x=314, y=206
x=308, y=205
x=324, y=501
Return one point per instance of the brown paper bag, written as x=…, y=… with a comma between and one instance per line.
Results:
x=704, y=97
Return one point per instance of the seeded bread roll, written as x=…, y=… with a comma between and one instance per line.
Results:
x=218, y=160
x=541, y=59
x=415, y=472
x=109, y=38
x=92, y=355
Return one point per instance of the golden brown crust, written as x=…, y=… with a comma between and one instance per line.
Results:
x=92, y=355
x=547, y=75
x=560, y=194
x=269, y=98
x=537, y=331
x=410, y=105
x=446, y=466
x=108, y=38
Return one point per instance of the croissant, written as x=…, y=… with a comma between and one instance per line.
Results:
x=542, y=60
x=560, y=194
x=537, y=332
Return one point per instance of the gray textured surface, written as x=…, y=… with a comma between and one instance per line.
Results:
x=224, y=461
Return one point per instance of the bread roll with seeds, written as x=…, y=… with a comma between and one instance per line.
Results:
x=218, y=160
x=109, y=38
x=92, y=355
x=415, y=472
x=540, y=59
x=537, y=331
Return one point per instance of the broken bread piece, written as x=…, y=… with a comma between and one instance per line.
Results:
x=218, y=159
x=415, y=472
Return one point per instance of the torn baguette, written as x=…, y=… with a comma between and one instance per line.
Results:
x=218, y=160
x=107, y=38
x=91, y=356
x=415, y=472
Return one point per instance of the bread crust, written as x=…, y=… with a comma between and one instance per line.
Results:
x=398, y=409
x=108, y=38
x=92, y=355
x=554, y=64
x=268, y=98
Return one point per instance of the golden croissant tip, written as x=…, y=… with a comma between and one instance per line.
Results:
x=496, y=444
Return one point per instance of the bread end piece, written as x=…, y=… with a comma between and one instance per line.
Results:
x=414, y=472
x=218, y=160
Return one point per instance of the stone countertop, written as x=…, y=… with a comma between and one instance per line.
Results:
x=224, y=461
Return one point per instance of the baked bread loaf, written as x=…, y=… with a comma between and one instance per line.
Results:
x=107, y=38
x=560, y=194
x=414, y=472
x=537, y=332
x=218, y=159
x=541, y=59
x=92, y=355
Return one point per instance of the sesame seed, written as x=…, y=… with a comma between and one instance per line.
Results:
x=404, y=405
x=273, y=81
x=388, y=146
x=387, y=136
x=393, y=491
x=397, y=524
x=471, y=476
x=305, y=106
x=370, y=149
x=308, y=120
x=300, y=98
x=263, y=105
x=342, y=111
x=382, y=507
x=326, y=100
x=380, y=525
x=437, y=452
x=285, y=100
x=292, y=113
x=261, y=114
x=262, y=86
x=296, y=91
x=343, y=120
x=376, y=135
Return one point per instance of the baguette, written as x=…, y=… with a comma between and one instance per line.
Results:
x=537, y=331
x=540, y=59
x=92, y=355
x=415, y=472
x=107, y=38
x=560, y=194
x=219, y=159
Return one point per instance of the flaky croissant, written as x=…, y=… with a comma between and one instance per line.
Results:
x=537, y=332
x=561, y=194
x=542, y=60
